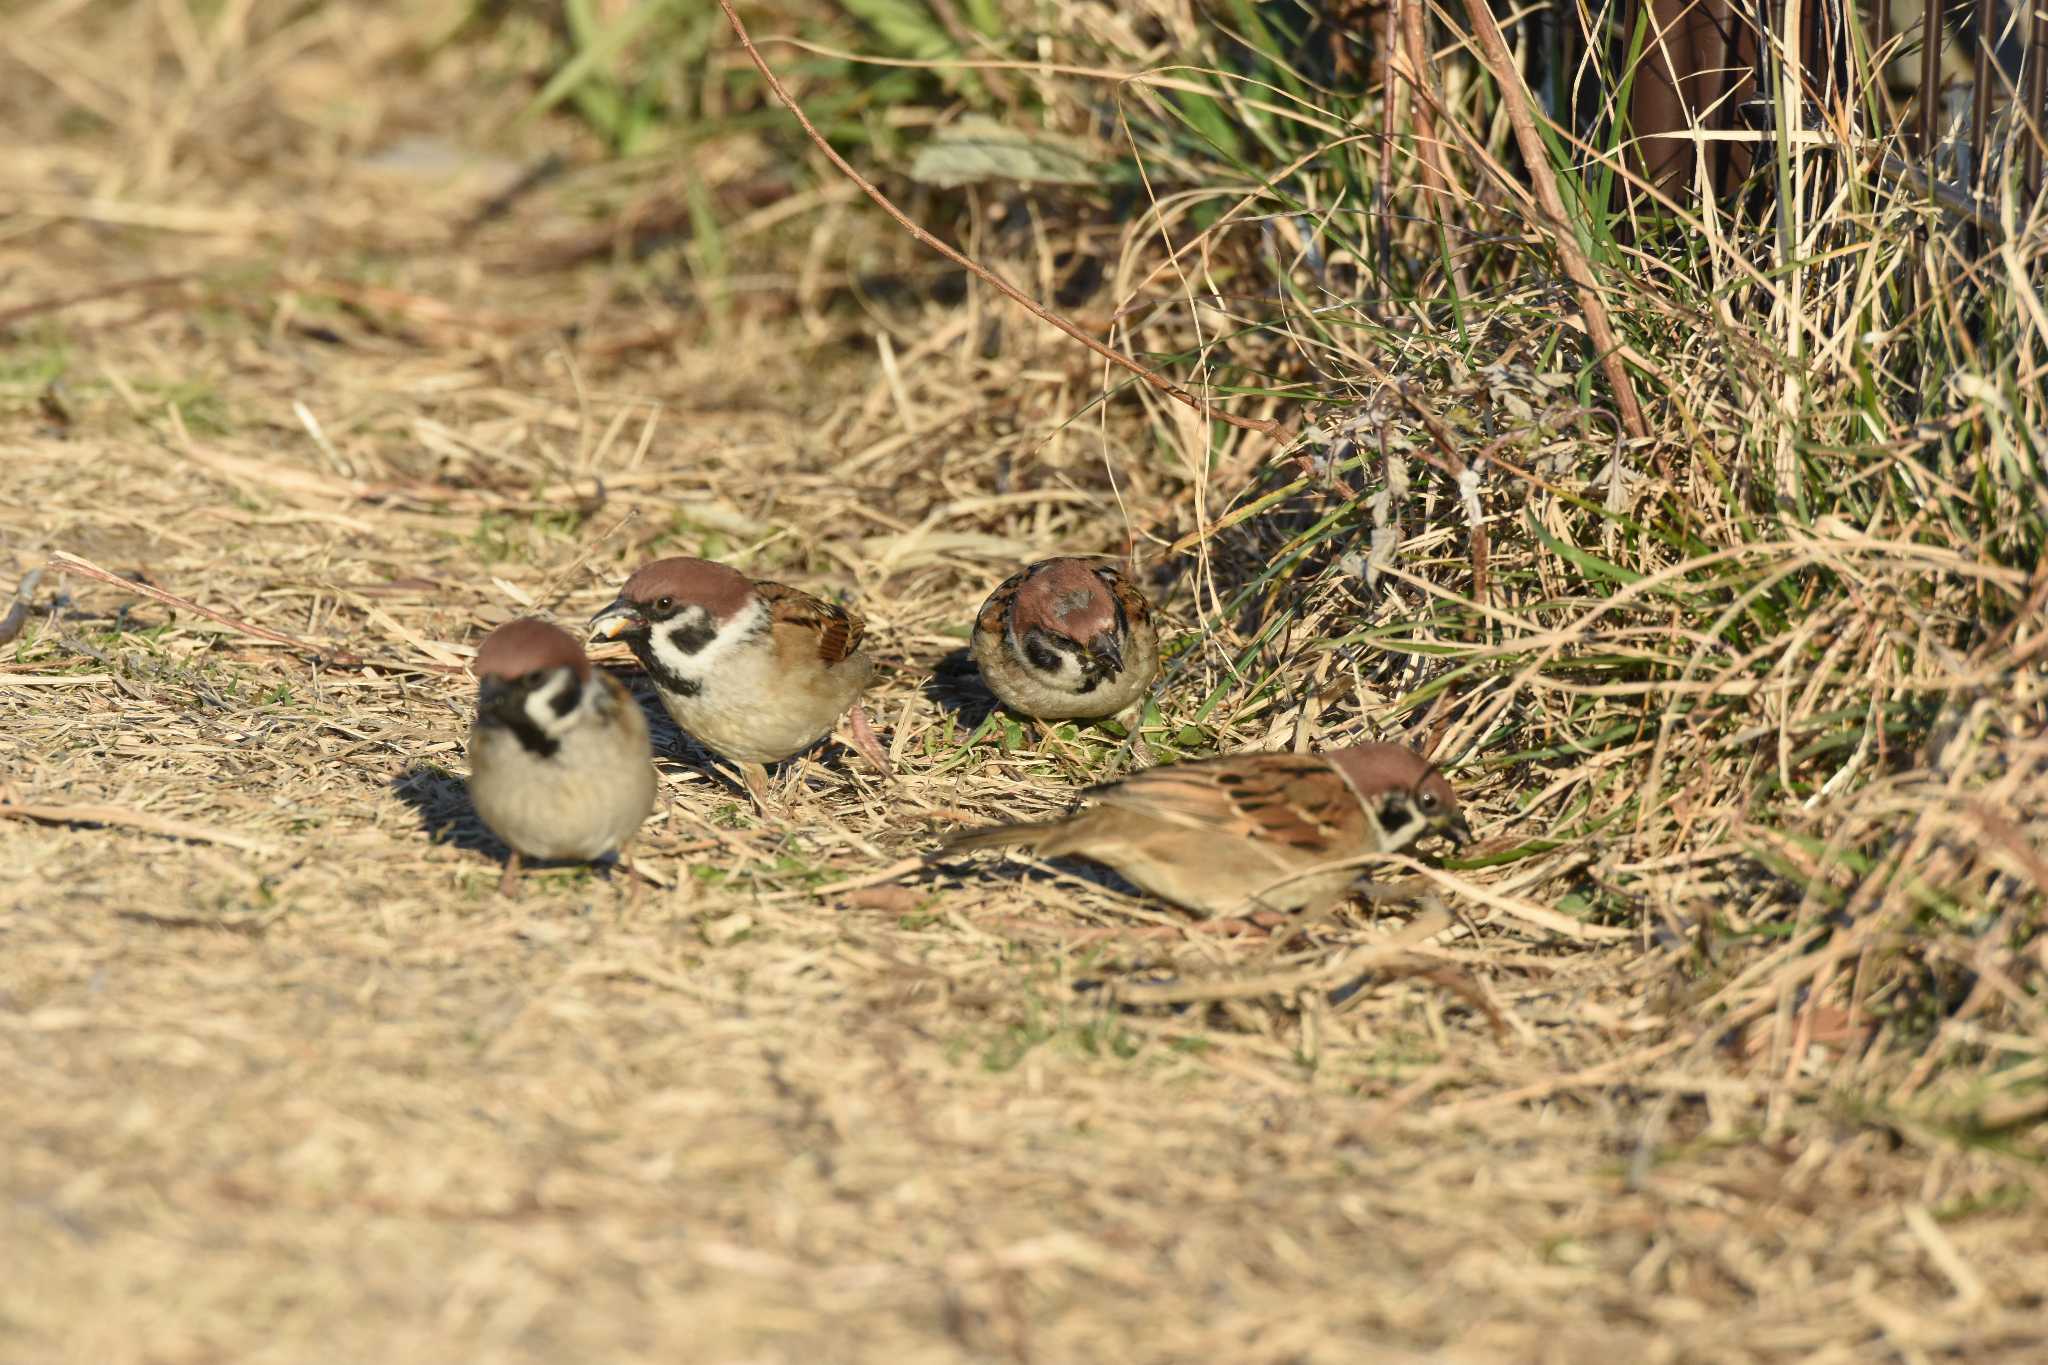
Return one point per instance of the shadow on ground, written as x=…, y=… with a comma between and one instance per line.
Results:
x=441, y=801
x=955, y=687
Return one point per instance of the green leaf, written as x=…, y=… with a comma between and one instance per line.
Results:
x=1583, y=560
x=986, y=16
x=596, y=47
x=977, y=149
x=1206, y=117
x=905, y=28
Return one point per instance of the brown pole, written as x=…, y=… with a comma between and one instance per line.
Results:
x=1930, y=78
x=1980, y=96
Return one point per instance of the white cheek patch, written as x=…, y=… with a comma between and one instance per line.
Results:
x=541, y=702
x=697, y=665
x=1070, y=674
x=1399, y=823
x=1062, y=667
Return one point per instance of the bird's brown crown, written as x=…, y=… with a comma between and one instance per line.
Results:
x=718, y=588
x=1375, y=769
x=528, y=645
x=1066, y=597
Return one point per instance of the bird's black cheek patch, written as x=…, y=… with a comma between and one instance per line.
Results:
x=666, y=678
x=536, y=741
x=1049, y=654
x=531, y=737
x=692, y=635
x=1041, y=654
x=566, y=700
x=1396, y=816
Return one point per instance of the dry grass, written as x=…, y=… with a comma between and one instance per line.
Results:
x=288, y=1081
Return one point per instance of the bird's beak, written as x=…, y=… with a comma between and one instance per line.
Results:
x=1106, y=648
x=620, y=618
x=1457, y=831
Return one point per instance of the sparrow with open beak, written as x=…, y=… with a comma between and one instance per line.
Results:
x=560, y=762
x=1067, y=638
x=755, y=671
x=1249, y=832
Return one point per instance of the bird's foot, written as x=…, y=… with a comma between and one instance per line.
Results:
x=866, y=741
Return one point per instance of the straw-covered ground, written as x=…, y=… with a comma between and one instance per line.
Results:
x=1730, y=1047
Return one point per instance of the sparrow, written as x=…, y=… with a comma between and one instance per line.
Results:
x=1067, y=639
x=559, y=757
x=756, y=671
x=1259, y=832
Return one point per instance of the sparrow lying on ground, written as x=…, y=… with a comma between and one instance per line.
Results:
x=756, y=671
x=1067, y=638
x=560, y=763
x=1222, y=836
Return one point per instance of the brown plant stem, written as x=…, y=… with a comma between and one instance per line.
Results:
x=1435, y=165
x=1494, y=50
x=1267, y=426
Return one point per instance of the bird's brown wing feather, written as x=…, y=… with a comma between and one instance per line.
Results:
x=994, y=617
x=1294, y=799
x=836, y=629
x=1137, y=610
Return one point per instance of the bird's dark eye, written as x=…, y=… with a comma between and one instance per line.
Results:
x=1429, y=801
x=665, y=605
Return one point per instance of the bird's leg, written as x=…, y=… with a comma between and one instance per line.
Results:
x=508, y=884
x=636, y=897
x=756, y=778
x=864, y=739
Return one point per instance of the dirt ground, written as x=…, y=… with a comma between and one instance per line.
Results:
x=287, y=1080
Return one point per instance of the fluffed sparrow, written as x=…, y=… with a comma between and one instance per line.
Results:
x=560, y=762
x=1244, y=832
x=756, y=671
x=1067, y=638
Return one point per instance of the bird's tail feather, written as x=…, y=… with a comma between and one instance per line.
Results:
x=1001, y=836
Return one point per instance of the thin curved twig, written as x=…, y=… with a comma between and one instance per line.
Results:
x=1493, y=50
